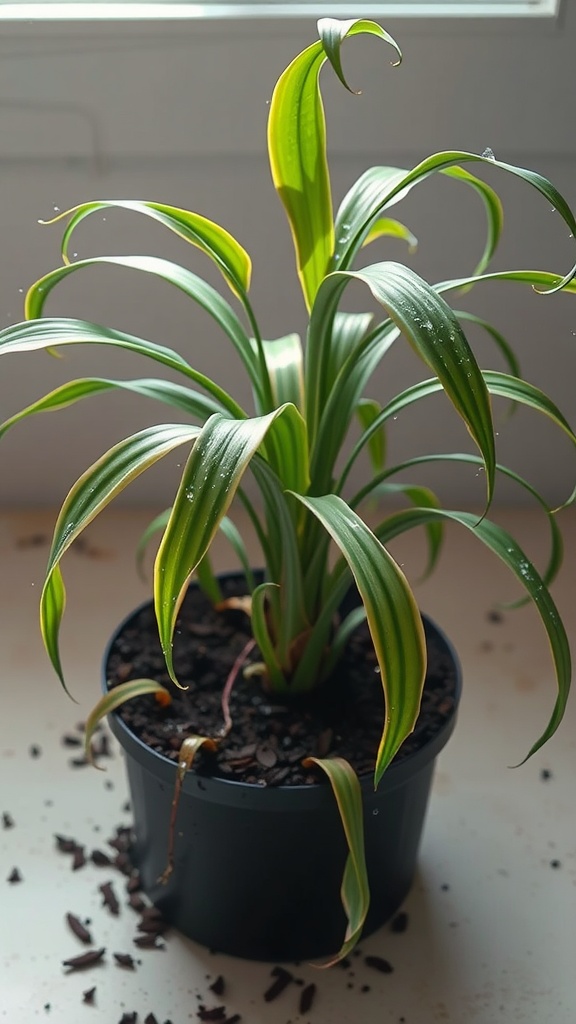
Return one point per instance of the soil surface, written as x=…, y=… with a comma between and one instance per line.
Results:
x=270, y=737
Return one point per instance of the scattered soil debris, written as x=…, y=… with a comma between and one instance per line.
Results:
x=379, y=964
x=136, y=902
x=495, y=616
x=89, y=959
x=445, y=887
x=307, y=998
x=101, y=859
x=130, y=1017
x=150, y=1019
x=78, y=762
x=109, y=898
x=399, y=923
x=70, y=740
x=125, y=960
x=148, y=941
x=218, y=986
x=365, y=988
x=65, y=844
x=555, y=863
x=78, y=858
x=153, y=925
x=546, y=775
x=80, y=931
x=14, y=876
x=7, y=820
x=282, y=979
x=35, y=751
x=217, y=1013
x=89, y=996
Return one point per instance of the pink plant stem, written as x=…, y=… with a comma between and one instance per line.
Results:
x=232, y=676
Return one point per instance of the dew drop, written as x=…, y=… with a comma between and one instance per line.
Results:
x=375, y=811
x=56, y=209
x=488, y=154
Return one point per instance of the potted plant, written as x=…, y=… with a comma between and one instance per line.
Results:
x=328, y=652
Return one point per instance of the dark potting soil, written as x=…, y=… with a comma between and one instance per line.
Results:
x=270, y=736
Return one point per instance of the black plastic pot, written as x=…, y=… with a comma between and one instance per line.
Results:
x=257, y=870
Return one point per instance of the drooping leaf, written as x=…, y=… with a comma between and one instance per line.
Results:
x=393, y=619
x=297, y=148
x=217, y=243
x=193, y=286
x=354, y=891
x=175, y=395
x=378, y=188
x=508, y=550
x=92, y=492
x=51, y=333
x=386, y=227
x=220, y=457
x=115, y=698
x=433, y=331
x=52, y=608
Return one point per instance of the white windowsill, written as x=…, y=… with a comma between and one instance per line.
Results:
x=497, y=945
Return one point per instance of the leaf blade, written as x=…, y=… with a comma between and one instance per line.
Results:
x=355, y=892
x=393, y=619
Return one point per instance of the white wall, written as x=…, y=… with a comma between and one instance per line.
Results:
x=177, y=113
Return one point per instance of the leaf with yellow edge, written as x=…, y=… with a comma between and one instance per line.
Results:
x=297, y=147
x=114, y=698
x=354, y=891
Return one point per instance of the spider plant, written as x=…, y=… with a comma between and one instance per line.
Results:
x=294, y=440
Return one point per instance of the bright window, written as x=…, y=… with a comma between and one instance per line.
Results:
x=133, y=9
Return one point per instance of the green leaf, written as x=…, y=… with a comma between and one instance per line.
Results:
x=175, y=395
x=379, y=187
x=424, y=498
x=507, y=549
x=262, y=637
x=49, y=333
x=386, y=227
x=52, y=607
x=234, y=538
x=95, y=489
x=228, y=255
x=113, y=699
x=367, y=411
x=434, y=333
x=297, y=148
x=285, y=361
x=210, y=479
x=393, y=619
x=542, y=282
x=154, y=526
x=207, y=580
x=506, y=350
x=354, y=891
x=193, y=286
